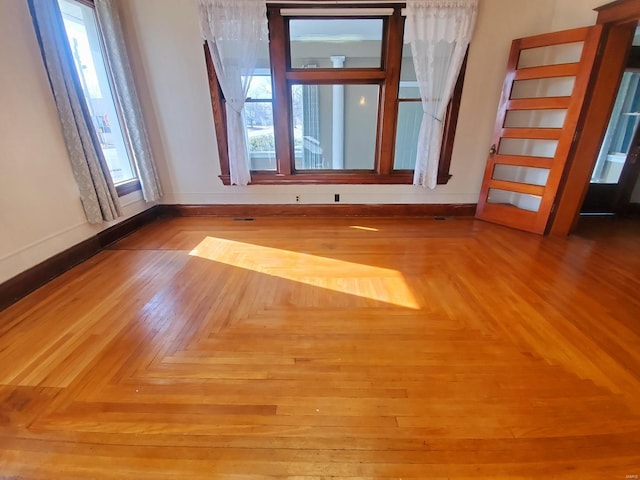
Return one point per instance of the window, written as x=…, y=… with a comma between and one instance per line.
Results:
x=258, y=114
x=86, y=48
x=334, y=100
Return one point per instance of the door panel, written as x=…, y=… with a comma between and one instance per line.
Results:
x=542, y=98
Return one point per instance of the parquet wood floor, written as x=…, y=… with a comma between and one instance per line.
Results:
x=202, y=348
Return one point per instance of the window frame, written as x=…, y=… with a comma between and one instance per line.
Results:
x=386, y=76
x=133, y=184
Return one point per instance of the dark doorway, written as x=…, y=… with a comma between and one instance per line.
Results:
x=617, y=167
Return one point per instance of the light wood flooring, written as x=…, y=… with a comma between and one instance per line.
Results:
x=202, y=348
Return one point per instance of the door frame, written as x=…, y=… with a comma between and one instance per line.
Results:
x=617, y=195
x=619, y=20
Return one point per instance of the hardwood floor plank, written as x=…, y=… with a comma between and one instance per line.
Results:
x=329, y=348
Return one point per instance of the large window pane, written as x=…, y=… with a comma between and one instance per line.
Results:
x=408, y=83
x=258, y=117
x=334, y=126
x=82, y=32
x=314, y=41
x=409, y=121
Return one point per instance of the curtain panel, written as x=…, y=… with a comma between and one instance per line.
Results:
x=97, y=192
x=234, y=30
x=127, y=98
x=439, y=32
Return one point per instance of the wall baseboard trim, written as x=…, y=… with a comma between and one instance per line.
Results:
x=324, y=210
x=26, y=282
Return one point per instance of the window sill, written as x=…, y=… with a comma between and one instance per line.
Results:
x=128, y=187
x=272, y=178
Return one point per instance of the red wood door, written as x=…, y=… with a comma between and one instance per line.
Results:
x=542, y=98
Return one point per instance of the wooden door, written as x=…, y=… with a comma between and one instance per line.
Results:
x=542, y=99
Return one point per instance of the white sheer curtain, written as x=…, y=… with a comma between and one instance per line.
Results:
x=234, y=30
x=97, y=193
x=127, y=98
x=439, y=32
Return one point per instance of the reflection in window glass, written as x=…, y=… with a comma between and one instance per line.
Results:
x=314, y=41
x=409, y=121
x=408, y=83
x=334, y=126
x=82, y=33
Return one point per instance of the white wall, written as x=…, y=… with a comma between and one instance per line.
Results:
x=168, y=37
x=40, y=210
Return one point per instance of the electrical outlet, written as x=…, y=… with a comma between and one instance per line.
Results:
x=336, y=197
x=297, y=198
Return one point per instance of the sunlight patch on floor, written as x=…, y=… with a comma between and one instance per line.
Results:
x=375, y=283
x=360, y=227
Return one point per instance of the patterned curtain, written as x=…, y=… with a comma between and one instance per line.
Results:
x=127, y=98
x=97, y=193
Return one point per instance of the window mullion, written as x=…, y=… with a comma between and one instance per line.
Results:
x=333, y=75
x=281, y=100
x=388, y=112
x=219, y=113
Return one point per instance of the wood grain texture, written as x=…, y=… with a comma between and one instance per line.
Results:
x=342, y=177
x=36, y=276
x=590, y=36
x=619, y=12
x=592, y=127
x=329, y=348
x=324, y=210
x=219, y=110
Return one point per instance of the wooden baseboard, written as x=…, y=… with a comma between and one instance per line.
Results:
x=26, y=282
x=324, y=210
x=128, y=226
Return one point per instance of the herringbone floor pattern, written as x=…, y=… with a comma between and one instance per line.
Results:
x=329, y=348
